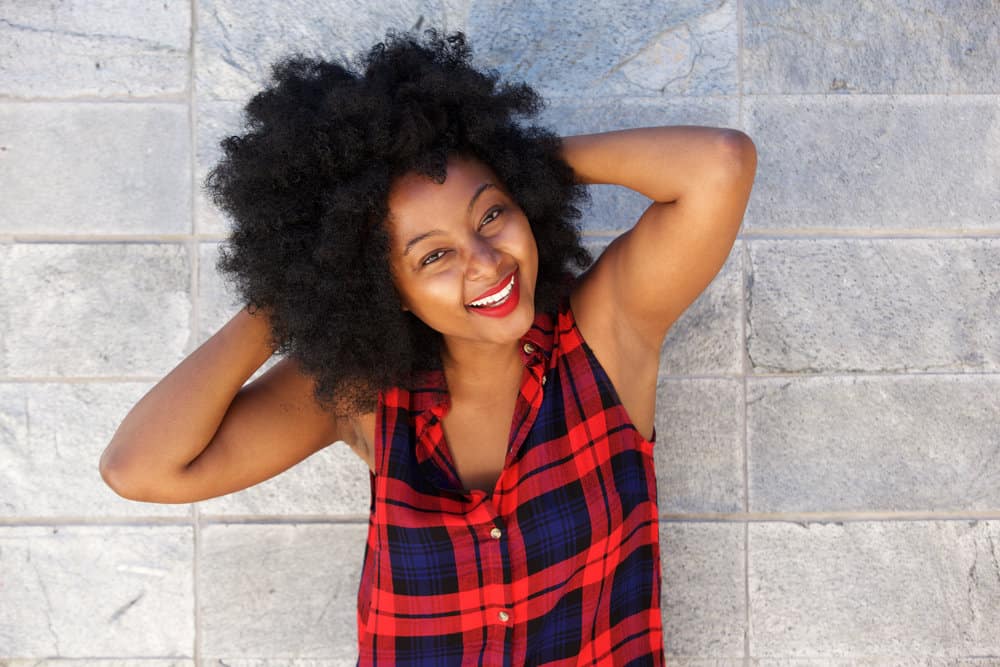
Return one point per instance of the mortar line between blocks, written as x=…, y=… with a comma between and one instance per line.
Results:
x=756, y=377
x=744, y=348
x=195, y=310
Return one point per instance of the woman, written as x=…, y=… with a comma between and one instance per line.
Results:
x=406, y=244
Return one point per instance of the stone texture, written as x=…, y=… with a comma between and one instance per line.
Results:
x=875, y=162
x=94, y=48
x=216, y=120
x=217, y=302
x=51, y=439
x=584, y=50
x=932, y=46
x=892, y=589
x=707, y=339
x=281, y=591
x=95, y=309
x=850, y=305
x=922, y=442
x=79, y=591
x=704, y=610
x=94, y=169
x=613, y=208
x=334, y=481
x=91, y=662
x=238, y=41
x=699, y=446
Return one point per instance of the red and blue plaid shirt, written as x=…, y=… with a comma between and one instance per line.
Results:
x=559, y=566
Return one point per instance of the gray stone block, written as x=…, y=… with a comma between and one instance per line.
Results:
x=334, y=481
x=707, y=339
x=921, y=442
x=704, y=662
x=613, y=208
x=215, y=121
x=95, y=48
x=281, y=591
x=79, y=591
x=576, y=115
x=893, y=589
x=94, y=169
x=898, y=305
x=584, y=50
x=51, y=439
x=699, y=446
x=217, y=301
x=91, y=662
x=94, y=309
x=871, y=162
x=933, y=46
x=238, y=41
x=704, y=609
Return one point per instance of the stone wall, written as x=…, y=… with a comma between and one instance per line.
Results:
x=828, y=427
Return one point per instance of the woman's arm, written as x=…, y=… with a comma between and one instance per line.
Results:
x=699, y=179
x=199, y=433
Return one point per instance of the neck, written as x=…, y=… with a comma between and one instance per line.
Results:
x=480, y=369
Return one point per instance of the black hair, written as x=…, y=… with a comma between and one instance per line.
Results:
x=306, y=187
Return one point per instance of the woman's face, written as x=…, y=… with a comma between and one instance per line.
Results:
x=463, y=255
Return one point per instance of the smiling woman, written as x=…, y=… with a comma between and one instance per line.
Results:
x=410, y=245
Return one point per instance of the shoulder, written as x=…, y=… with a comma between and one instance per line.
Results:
x=631, y=364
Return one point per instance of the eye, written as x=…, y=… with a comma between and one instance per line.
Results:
x=492, y=215
x=433, y=257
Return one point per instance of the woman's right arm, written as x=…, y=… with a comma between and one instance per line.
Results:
x=199, y=433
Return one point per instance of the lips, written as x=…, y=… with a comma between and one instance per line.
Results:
x=506, y=305
x=499, y=288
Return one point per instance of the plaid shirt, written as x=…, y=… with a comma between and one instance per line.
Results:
x=559, y=566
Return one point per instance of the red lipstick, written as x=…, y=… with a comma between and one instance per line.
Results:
x=502, y=308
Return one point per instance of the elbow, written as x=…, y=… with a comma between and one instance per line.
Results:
x=738, y=153
x=118, y=479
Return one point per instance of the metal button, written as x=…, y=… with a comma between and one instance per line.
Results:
x=503, y=616
x=496, y=533
x=528, y=348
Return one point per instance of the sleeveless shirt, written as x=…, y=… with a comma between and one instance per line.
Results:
x=559, y=565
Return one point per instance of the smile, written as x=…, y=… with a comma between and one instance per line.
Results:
x=498, y=301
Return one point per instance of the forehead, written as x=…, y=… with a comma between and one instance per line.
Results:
x=416, y=201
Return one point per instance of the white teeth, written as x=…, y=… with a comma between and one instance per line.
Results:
x=496, y=298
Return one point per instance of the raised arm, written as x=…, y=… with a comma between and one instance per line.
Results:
x=198, y=433
x=699, y=179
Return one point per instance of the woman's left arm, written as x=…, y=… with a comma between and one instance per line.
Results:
x=699, y=179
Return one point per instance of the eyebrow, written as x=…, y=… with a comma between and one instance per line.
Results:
x=472, y=202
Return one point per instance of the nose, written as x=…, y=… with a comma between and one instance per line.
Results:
x=483, y=260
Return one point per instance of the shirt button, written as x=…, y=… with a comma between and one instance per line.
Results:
x=496, y=533
x=503, y=616
x=528, y=348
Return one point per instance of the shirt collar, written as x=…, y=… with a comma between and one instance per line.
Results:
x=429, y=399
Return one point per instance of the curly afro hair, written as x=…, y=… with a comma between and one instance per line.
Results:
x=307, y=184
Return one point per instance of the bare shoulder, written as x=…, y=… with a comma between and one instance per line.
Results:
x=631, y=364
